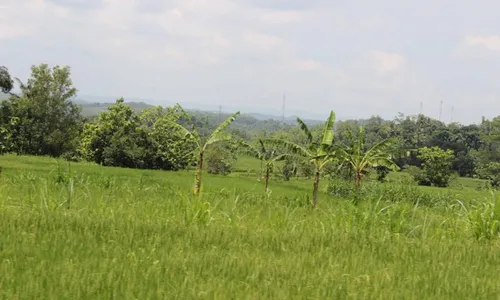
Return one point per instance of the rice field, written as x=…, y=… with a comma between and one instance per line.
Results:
x=81, y=231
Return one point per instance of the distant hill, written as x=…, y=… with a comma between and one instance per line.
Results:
x=93, y=106
x=93, y=109
x=287, y=120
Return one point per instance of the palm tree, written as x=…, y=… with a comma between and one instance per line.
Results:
x=319, y=154
x=218, y=135
x=266, y=156
x=359, y=160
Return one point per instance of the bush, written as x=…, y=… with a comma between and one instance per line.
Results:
x=491, y=172
x=436, y=166
x=382, y=173
x=220, y=159
x=417, y=175
x=290, y=168
x=336, y=171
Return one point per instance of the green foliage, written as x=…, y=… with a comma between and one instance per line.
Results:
x=382, y=172
x=318, y=152
x=6, y=82
x=436, y=165
x=356, y=157
x=485, y=219
x=5, y=140
x=290, y=168
x=394, y=192
x=220, y=159
x=203, y=142
x=120, y=137
x=491, y=172
x=417, y=175
x=43, y=120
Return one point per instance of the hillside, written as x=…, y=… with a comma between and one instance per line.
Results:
x=93, y=109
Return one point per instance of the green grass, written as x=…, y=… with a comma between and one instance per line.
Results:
x=91, y=232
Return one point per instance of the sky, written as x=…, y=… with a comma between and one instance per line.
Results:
x=358, y=58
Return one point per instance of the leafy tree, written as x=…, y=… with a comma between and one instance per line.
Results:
x=218, y=135
x=491, y=172
x=112, y=140
x=436, y=165
x=120, y=137
x=320, y=154
x=6, y=82
x=43, y=120
x=359, y=160
x=165, y=145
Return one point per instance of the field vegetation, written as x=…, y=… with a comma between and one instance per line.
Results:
x=113, y=206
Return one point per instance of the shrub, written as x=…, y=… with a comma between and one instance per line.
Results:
x=417, y=175
x=220, y=159
x=491, y=172
x=382, y=173
x=436, y=165
x=290, y=168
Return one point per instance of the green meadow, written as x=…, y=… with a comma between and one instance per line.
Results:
x=82, y=231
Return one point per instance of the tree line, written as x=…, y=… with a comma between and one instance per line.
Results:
x=42, y=120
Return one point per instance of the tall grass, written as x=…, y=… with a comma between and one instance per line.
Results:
x=132, y=234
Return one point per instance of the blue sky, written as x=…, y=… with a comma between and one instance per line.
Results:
x=358, y=58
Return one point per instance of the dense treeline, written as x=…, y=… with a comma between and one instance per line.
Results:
x=42, y=120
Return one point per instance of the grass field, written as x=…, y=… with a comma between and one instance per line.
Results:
x=82, y=231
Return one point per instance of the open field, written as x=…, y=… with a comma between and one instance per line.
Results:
x=82, y=231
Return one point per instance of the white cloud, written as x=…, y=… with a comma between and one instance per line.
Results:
x=386, y=62
x=220, y=50
x=491, y=42
x=24, y=18
x=282, y=17
x=308, y=64
x=261, y=41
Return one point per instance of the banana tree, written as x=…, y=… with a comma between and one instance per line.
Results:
x=355, y=157
x=218, y=135
x=267, y=156
x=319, y=153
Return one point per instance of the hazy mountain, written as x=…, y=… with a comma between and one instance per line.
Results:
x=93, y=109
x=92, y=105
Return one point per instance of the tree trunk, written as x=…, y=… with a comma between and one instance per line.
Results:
x=315, y=190
x=267, y=177
x=358, y=182
x=197, y=176
x=260, y=175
